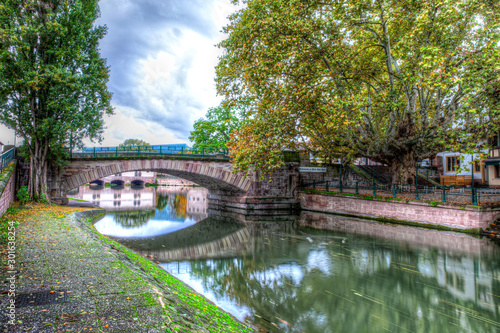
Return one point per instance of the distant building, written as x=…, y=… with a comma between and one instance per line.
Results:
x=492, y=163
x=448, y=163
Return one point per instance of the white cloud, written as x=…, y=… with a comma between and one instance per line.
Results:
x=162, y=57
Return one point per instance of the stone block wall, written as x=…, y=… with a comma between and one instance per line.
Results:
x=7, y=191
x=454, y=217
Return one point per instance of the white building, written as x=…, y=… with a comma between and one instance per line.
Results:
x=458, y=164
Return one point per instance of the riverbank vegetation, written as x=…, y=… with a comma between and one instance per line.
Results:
x=55, y=95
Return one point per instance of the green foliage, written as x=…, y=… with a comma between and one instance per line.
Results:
x=23, y=195
x=43, y=198
x=134, y=143
x=214, y=131
x=53, y=88
x=394, y=81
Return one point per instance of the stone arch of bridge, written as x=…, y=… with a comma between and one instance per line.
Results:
x=216, y=178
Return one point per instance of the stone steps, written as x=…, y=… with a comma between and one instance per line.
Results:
x=493, y=231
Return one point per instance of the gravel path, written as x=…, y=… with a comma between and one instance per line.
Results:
x=72, y=279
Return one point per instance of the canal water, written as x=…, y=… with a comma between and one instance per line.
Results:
x=313, y=272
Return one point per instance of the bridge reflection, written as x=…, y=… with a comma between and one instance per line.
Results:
x=180, y=201
x=410, y=278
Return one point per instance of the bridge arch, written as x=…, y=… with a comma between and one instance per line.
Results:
x=215, y=176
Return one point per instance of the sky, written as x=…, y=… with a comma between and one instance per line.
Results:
x=161, y=55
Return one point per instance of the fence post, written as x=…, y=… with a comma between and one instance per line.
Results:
x=94, y=151
x=474, y=196
x=314, y=185
x=357, y=191
x=160, y=150
x=444, y=194
x=393, y=190
x=341, y=189
x=327, y=189
x=202, y=152
x=182, y=151
x=416, y=184
x=374, y=190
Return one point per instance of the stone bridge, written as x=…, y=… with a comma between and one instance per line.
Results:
x=226, y=188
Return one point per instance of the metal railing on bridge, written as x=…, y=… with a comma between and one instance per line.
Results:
x=6, y=158
x=436, y=194
x=149, y=151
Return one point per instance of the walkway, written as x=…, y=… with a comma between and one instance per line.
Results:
x=72, y=279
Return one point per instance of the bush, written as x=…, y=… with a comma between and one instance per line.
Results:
x=43, y=198
x=23, y=196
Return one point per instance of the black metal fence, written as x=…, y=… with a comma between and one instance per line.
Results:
x=6, y=158
x=429, y=193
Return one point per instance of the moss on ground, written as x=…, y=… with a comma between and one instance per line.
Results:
x=110, y=287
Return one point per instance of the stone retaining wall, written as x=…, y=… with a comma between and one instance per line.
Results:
x=407, y=235
x=7, y=191
x=415, y=212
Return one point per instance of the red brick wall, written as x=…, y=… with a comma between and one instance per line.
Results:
x=411, y=212
x=8, y=194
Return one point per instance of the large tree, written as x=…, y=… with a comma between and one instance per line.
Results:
x=214, y=131
x=53, y=81
x=134, y=143
x=394, y=81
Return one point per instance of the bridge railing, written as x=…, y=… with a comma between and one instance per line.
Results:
x=148, y=151
x=6, y=158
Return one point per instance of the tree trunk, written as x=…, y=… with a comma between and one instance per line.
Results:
x=37, y=184
x=403, y=169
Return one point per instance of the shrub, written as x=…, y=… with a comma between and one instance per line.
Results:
x=23, y=196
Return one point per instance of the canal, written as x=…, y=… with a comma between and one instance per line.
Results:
x=312, y=272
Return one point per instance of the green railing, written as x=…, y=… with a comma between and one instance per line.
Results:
x=6, y=158
x=433, y=194
x=147, y=151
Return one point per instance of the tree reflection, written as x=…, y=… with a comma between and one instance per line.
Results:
x=133, y=219
x=319, y=283
x=161, y=201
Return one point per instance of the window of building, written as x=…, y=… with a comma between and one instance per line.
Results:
x=477, y=166
x=497, y=171
x=452, y=163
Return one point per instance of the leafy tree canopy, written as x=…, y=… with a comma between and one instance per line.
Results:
x=215, y=129
x=133, y=143
x=53, y=88
x=394, y=81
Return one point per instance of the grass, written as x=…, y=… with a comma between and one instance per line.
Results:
x=75, y=199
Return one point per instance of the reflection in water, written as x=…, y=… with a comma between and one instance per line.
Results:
x=306, y=280
x=147, y=212
x=293, y=276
